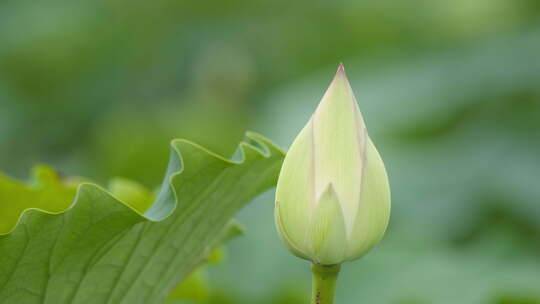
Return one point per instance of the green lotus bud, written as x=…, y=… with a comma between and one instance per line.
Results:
x=333, y=197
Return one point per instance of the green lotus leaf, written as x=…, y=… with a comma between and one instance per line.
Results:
x=61, y=243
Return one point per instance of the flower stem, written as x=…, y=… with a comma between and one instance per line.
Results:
x=324, y=283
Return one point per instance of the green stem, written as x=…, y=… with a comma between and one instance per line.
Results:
x=324, y=283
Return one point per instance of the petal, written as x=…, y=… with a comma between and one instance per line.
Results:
x=374, y=208
x=340, y=140
x=294, y=193
x=327, y=230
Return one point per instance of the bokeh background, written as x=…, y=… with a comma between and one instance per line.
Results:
x=450, y=91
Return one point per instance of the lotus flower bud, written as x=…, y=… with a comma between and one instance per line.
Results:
x=333, y=197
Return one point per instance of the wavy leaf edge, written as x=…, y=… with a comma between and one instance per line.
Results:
x=252, y=141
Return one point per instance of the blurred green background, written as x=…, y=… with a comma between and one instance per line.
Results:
x=450, y=91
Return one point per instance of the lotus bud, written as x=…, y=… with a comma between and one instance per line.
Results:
x=333, y=197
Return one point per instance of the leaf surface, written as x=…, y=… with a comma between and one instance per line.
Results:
x=99, y=249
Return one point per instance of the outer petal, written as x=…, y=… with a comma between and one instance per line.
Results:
x=294, y=193
x=286, y=239
x=339, y=139
x=327, y=230
x=374, y=208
